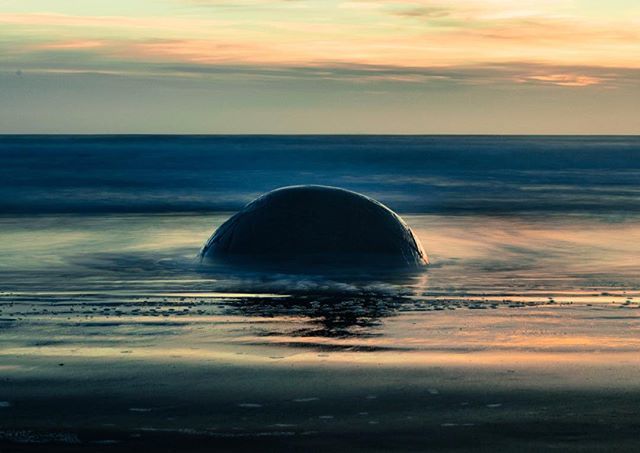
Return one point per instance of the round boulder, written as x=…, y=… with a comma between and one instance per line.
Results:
x=304, y=227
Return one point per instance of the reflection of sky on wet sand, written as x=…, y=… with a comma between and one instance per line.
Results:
x=532, y=336
x=501, y=292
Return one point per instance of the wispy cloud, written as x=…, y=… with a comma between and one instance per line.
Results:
x=567, y=80
x=400, y=33
x=72, y=45
x=126, y=23
x=423, y=12
x=176, y=59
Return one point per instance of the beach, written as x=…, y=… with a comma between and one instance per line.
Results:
x=522, y=334
x=332, y=404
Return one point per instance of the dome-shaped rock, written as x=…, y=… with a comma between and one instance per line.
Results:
x=313, y=226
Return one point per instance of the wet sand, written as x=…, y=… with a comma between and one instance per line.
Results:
x=507, y=379
x=122, y=406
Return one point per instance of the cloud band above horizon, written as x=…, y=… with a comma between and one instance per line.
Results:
x=374, y=50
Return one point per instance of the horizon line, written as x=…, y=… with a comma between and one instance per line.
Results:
x=305, y=134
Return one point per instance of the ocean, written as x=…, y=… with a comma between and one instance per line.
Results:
x=527, y=317
x=484, y=175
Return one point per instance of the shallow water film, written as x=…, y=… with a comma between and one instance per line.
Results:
x=523, y=334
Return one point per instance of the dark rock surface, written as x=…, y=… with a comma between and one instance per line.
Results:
x=315, y=226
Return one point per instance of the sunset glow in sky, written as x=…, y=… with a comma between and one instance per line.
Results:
x=298, y=66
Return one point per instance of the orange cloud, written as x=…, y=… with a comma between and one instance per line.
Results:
x=387, y=32
x=73, y=45
x=196, y=51
x=566, y=80
x=120, y=22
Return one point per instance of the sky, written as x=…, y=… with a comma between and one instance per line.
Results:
x=320, y=66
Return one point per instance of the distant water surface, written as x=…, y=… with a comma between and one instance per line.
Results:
x=423, y=174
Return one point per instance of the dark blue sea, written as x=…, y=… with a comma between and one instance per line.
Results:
x=479, y=175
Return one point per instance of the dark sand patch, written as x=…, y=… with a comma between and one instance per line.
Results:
x=209, y=406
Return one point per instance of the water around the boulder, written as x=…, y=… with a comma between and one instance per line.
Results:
x=315, y=226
